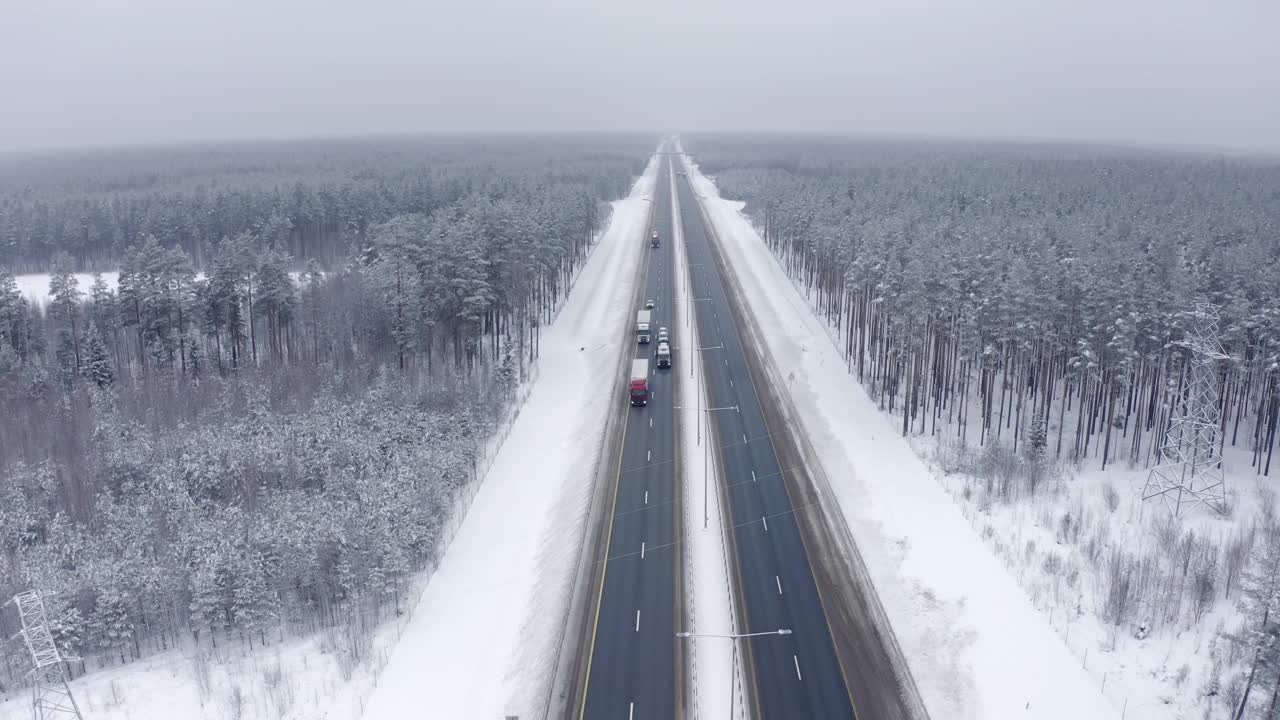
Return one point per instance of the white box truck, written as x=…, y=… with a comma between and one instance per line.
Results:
x=642, y=327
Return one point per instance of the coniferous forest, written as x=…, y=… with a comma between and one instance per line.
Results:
x=982, y=289
x=267, y=426
x=1021, y=312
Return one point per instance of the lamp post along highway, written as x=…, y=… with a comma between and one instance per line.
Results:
x=706, y=451
x=698, y=390
x=688, y=315
x=734, y=637
x=688, y=319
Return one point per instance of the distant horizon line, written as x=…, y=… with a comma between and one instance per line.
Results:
x=196, y=143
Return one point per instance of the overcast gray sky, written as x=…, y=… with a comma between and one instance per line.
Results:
x=88, y=72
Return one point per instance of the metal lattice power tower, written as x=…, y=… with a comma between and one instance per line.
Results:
x=51, y=695
x=1189, y=469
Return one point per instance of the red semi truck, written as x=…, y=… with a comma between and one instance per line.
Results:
x=639, y=382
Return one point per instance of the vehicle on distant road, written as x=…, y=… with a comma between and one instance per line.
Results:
x=640, y=382
x=664, y=355
x=654, y=241
x=642, y=327
x=648, y=304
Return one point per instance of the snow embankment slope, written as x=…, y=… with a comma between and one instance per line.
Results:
x=484, y=636
x=976, y=645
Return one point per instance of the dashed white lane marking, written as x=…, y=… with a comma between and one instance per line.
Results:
x=650, y=422
x=765, y=520
x=779, y=581
x=648, y=455
x=797, y=661
x=638, y=630
x=641, y=549
x=730, y=382
x=753, y=476
x=744, y=437
x=631, y=714
x=646, y=497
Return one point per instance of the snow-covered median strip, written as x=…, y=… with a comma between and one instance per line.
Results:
x=709, y=596
x=482, y=643
x=976, y=645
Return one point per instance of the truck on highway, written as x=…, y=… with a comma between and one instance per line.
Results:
x=663, y=355
x=640, y=382
x=654, y=241
x=642, y=327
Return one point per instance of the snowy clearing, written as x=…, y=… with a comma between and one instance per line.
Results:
x=976, y=644
x=1058, y=544
x=35, y=286
x=286, y=681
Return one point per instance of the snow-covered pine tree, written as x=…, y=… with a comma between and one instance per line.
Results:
x=111, y=623
x=253, y=602
x=64, y=306
x=13, y=317
x=195, y=357
x=97, y=365
x=207, y=605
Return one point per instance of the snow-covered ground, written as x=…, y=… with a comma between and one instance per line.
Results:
x=1059, y=545
x=35, y=286
x=482, y=639
x=302, y=679
x=977, y=646
x=706, y=557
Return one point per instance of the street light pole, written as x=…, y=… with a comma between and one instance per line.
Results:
x=689, y=311
x=689, y=308
x=706, y=452
x=698, y=390
x=735, y=637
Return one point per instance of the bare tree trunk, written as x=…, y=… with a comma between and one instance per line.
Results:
x=253, y=340
x=1253, y=669
x=1275, y=691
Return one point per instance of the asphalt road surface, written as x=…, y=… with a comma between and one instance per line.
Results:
x=797, y=675
x=633, y=664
